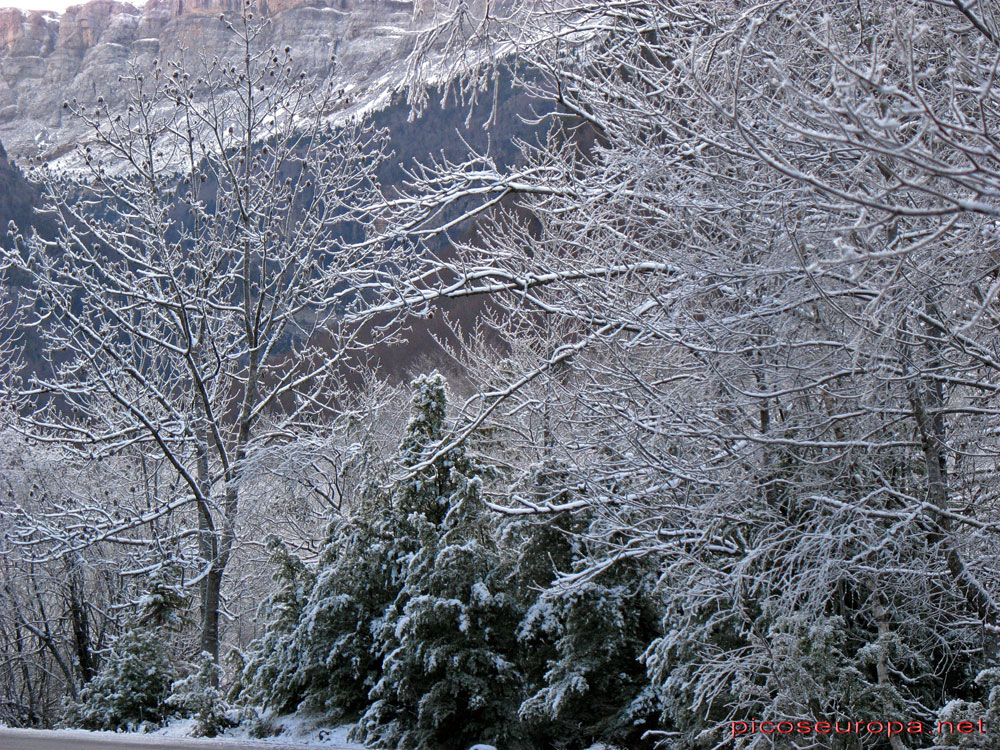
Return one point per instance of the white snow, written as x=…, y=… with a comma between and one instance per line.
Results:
x=295, y=733
x=157, y=738
x=301, y=731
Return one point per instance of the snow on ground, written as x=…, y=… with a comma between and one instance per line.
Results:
x=299, y=730
x=66, y=739
x=295, y=733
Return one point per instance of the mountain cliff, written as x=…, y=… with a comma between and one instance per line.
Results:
x=46, y=58
x=17, y=197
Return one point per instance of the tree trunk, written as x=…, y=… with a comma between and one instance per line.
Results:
x=81, y=626
x=211, y=583
x=927, y=399
x=211, y=588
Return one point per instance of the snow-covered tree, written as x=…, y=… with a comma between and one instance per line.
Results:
x=263, y=677
x=164, y=602
x=768, y=236
x=581, y=641
x=131, y=688
x=448, y=675
x=192, y=308
x=333, y=652
x=318, y=654
x=747, y=287
x=198, y=697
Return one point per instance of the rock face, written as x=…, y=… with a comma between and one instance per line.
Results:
x=17, y=197
x=46, y=59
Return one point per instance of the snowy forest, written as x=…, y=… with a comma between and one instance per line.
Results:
x=702, y=430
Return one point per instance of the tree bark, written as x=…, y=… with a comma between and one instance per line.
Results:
x=81, y=626
x=927, y=400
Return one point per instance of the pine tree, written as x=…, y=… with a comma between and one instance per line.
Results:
x=197, y=696
x=545, y=545
x=581, y=643
x=448, y=674
x=131, y=688
x=266, y=677
x=165, y=601
x=328, y=660
x=336, y=660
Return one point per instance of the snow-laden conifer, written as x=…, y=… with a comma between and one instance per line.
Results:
x=131, y=687
x=133, y=683
x=198, y=697
x=581, y=641
x=447, y=640
x=266, y=676
x=334, y=659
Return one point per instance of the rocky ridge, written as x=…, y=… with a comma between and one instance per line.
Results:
x=47, y=58
x=17, y=196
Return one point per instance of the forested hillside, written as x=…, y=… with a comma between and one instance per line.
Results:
x=715, y=462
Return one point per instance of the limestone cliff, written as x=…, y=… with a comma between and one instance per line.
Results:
x=46, y=58
x=17, y=197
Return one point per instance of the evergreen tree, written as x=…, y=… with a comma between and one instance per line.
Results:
x=330, y=662
x=165, y=601
x=545, y=545
x=448, y=674
x=595, y=687
x=131, y=688
x=197, y=696
x=266, y=676
x=581, y=643
x=336, y=661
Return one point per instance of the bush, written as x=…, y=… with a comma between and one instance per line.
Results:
x=197, y=696
x=131, y=689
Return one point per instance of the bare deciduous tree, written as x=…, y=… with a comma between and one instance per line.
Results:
x=767, y=235
x=192, y=307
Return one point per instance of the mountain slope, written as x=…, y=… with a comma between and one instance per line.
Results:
x=17, y=197
x=46, y=59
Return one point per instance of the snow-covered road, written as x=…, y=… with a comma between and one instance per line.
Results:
x=36, y=739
